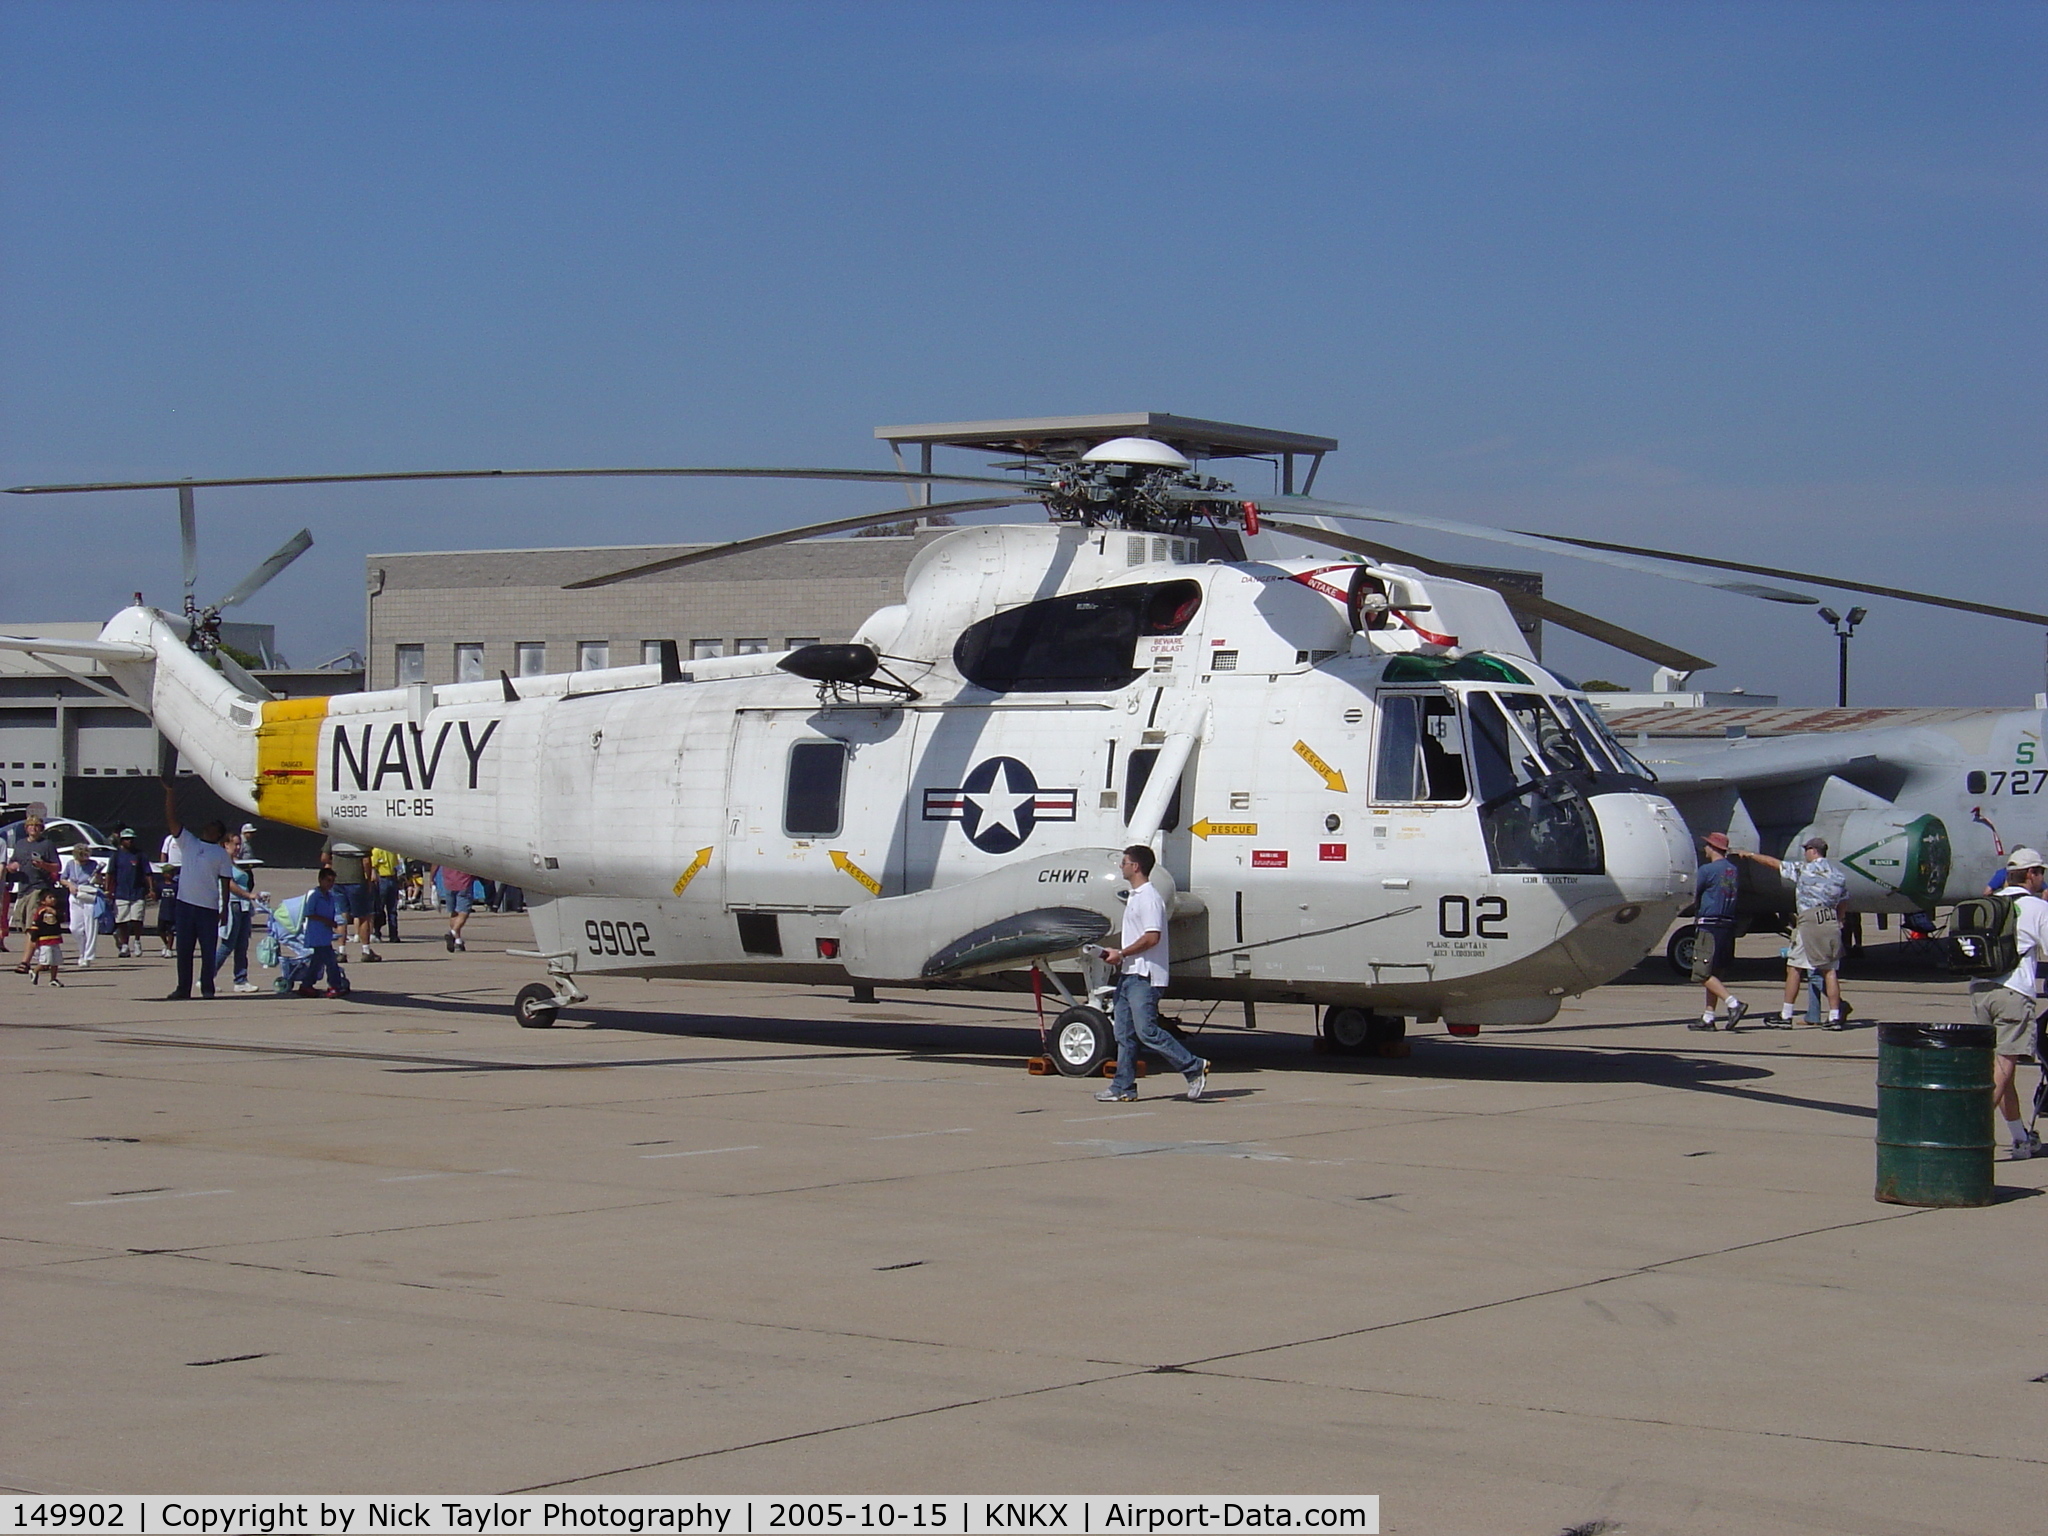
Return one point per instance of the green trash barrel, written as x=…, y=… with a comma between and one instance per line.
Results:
x=1934, y=1137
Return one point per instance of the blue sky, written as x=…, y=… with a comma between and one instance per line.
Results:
x=1759, y=280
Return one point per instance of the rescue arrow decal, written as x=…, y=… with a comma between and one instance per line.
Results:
x=1206, y=829
x=859, y=876
x=1330, y=776
x=697, y=867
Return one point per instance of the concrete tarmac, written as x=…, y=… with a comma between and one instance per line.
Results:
x=716, y=1238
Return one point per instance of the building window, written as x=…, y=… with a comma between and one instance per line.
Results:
x=750, y=646
x=412, y=664
x=593, y=655
x=704, y=650
x=650, y=653
x=469, y=663
x=796, y=640
x=529, y=658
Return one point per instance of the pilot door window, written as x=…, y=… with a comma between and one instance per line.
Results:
x=1532, y=777
x=1422, y=754
x=814, y=801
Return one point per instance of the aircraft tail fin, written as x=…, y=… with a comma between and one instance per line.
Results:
x=212, y=723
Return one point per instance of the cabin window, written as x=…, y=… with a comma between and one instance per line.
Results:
x=1137, y=774
x=593, y=656
x=412, y=664
x=814, y=802
x=469, y=662
x=706, y=650
x=750, y=645
x=529, y=658
x=1080, y=643
x=1422, y=755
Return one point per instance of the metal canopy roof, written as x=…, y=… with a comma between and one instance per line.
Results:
x=1071, y=436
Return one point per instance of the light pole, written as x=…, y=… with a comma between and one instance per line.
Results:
x=1843, y=628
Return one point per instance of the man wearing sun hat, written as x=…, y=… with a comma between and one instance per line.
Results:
x=2006, y=1003
x=1713, y=943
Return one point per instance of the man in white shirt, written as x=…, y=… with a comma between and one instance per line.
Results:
x=1144, y=960
x=202, y=865
x=2007, y=1004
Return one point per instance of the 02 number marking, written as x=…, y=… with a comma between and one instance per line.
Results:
x=610, y=938
x=1458, y=918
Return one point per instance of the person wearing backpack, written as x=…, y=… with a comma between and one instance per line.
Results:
x=2006, y=1003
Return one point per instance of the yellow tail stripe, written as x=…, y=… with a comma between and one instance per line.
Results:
x=288, y=761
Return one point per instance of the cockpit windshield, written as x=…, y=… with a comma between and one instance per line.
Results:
x=1534, y=777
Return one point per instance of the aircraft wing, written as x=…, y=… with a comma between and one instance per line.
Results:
x=1755, y=764
x=90, y=650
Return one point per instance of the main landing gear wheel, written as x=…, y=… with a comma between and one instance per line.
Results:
x=1082, y=1041
x=535, y=1006
x=1356, y=1032
x=1679, y=950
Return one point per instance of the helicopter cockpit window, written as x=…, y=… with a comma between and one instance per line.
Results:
x=1083, y=642
x=1533, y=780
x=813, y=803
x=1422, y=754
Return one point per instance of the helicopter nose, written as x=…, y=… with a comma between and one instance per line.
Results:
x=1649, y=850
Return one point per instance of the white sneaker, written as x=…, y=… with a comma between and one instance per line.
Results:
x=82, y=965
x=247, y=986
x=1198, y=1084
x=166, y=954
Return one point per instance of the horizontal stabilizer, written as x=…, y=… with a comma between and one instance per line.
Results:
x=91, y=650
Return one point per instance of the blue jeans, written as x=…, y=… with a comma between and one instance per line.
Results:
x=1137, y=1019
x=235, y=941
x=387, y=907
x=196, y=929
x=323, y=962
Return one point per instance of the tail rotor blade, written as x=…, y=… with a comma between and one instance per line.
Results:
x=260, y=578
x=188, y=540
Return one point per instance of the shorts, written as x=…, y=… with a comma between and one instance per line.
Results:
x=462, y=900
x=1820, y=940
x=1712, y=946
x=46, y=954
x=2011, y=1014
x=356, y=900
x=129, y=911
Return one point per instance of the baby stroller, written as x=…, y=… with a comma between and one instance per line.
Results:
x=284, y=945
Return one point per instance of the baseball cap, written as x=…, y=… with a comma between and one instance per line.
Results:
x=124, y=832
x=1716, y=840
x=2026, y=858
x=1819, y=843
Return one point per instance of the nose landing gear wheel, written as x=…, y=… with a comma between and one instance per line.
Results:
x=1082, y=1041
x=1355, y=1032
x=535, y=1006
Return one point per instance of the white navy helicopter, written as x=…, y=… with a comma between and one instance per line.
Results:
x=1365, y=793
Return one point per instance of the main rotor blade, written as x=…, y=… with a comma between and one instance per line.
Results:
x=1303, y=504
x=2019, y=614
x=884, y=476
x=1521, y=602
x=789, y=536
x=259, y=578
x=188, y=538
